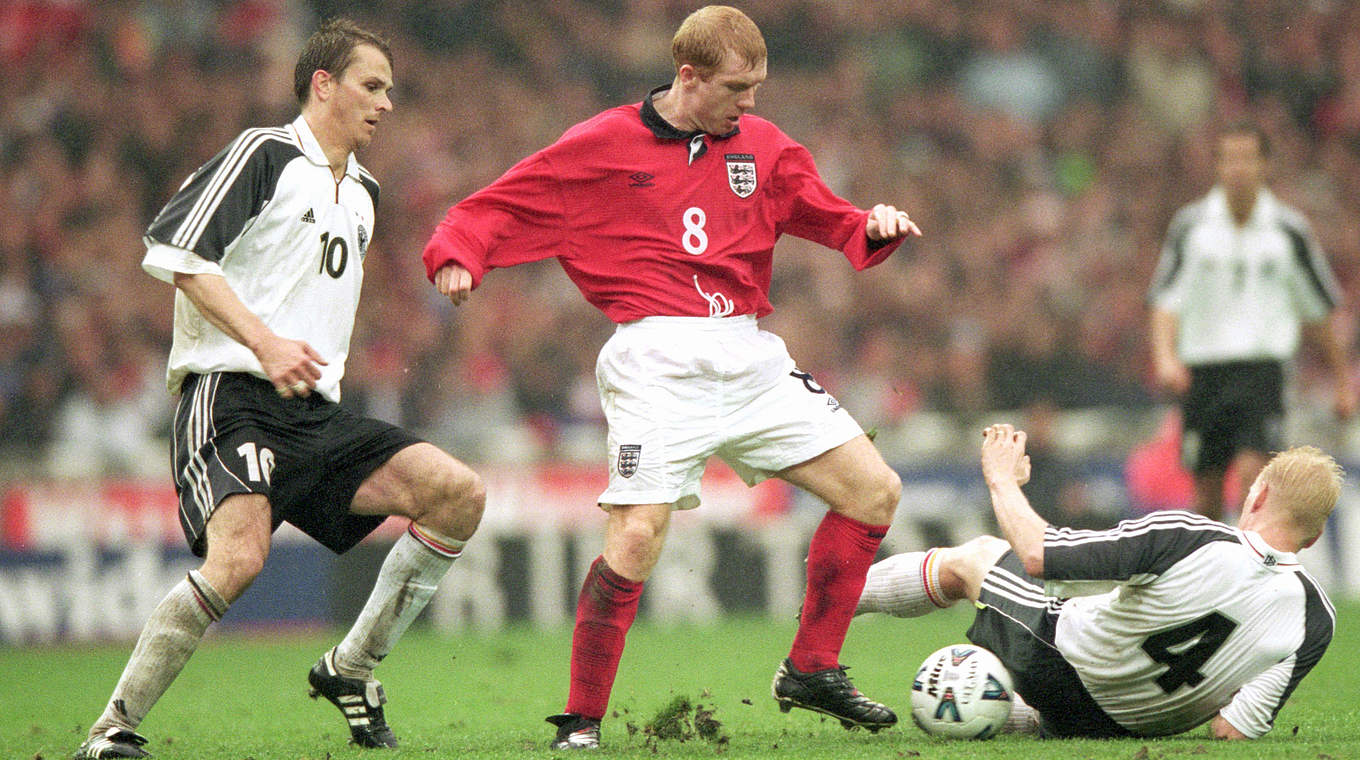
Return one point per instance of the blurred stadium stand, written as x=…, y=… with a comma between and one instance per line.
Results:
x=1042, y=145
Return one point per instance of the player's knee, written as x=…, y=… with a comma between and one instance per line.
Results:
x=963, y=567
x=455, y=501
x=883, y=496
x=231, y=569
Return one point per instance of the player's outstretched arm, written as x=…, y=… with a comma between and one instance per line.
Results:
x=1005, y=467
x=887, y=224
x=290, y=364
x=455, y=282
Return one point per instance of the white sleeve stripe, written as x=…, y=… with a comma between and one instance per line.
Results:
x=231, y=162
x=197, y=219
x=1168, y=521
x=1006, y=584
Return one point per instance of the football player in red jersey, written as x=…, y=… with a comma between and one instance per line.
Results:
x=665, y=214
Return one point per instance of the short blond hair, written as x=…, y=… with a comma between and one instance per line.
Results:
x=706, y=35
x=1305, y=483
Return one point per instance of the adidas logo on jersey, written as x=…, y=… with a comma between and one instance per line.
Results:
x=308, y=217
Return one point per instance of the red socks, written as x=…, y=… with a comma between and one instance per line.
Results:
x=605, y=610
x=839, y=556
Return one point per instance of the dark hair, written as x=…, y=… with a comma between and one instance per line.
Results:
x=331, y=48
x=1247, y=128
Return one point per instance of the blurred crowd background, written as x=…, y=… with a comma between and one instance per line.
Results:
x=1042, y=146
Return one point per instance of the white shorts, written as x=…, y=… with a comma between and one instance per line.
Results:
x=677, y=390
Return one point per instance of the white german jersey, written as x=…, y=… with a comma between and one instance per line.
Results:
x=1202, y=617
x=1241, y=292
x=268, y=215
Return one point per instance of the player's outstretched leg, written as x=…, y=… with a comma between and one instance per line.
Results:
x=575, y=732
x=829, y=692
x=360, y=699
x=905, y=585
x=167, y=640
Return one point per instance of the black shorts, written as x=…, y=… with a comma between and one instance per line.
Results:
x=1230, y=407
x=1016, y=621
x=234, y=434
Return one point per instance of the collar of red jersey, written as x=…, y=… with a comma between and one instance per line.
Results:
x=664, y=130
x=312, y=149
x=1269, y=556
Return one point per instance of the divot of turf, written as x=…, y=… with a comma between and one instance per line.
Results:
x=683, y=719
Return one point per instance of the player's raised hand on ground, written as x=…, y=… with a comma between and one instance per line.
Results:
x=1003, y=455
x=887, y=223
x=290, y=364
x=454, y=281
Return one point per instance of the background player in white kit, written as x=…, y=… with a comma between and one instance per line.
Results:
x=1241, y=277
x=682, y=261
x=265, y=244
x=1150, y=628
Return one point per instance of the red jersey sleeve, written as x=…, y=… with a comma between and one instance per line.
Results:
x=812, y=212
x=516, y=219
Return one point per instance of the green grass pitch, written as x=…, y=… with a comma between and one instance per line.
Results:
x=485, y=696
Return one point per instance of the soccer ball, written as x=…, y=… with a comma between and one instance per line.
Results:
x=961, y=692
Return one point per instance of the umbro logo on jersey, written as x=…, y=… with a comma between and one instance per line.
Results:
x=308, y=217
x=641, y=179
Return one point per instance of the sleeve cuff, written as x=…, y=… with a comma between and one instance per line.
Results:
x=163, y=261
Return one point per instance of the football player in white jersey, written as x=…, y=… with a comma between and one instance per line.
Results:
x=1150, y=628
x=265, y=246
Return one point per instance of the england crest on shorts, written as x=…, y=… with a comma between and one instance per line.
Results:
x=629, y=456
x=741, y=173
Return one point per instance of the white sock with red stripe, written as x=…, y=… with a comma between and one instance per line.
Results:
x=409, y=577
x=167, y=640
x=904, y=585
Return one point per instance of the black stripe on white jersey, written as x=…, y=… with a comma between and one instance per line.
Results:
x=1149, y=545
x=1310, y=262
x=370, y=184
x=210, y=210
x=1319, y=621
x=1173, y=254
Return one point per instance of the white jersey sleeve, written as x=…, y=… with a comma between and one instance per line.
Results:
x=1252, y=710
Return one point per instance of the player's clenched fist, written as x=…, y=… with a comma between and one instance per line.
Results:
x=454, y=282
x=887, y=223
x=1003, y=455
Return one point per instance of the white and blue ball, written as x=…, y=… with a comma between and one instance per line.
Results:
x=961, y=692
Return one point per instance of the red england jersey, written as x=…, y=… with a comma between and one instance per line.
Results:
x=648, y=220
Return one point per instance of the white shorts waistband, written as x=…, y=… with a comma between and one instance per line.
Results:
x=739, y=323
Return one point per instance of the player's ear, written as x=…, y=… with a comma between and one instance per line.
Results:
x=687, y=74
x=1255, y=504
x=323, y=84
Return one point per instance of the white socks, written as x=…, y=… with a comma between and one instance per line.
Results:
x=904, y=585
x=169, y=637
x=409, y=577
x=1023, y=720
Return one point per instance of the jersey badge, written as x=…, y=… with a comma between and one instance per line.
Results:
x=629, y=456
x=363, y=242
x=741, y=173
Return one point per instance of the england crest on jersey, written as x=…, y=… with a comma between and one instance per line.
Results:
x=741, y=173
x=629, y=456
